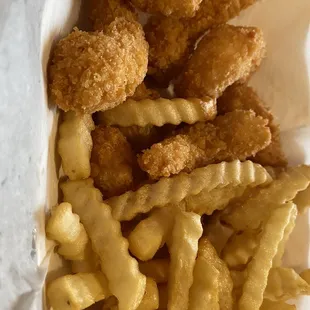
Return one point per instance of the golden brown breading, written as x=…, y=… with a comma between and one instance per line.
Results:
x=104, y=12
x=169, y=47
x=215, y=12
x=142, y=92
x=226, y=54
x=141, y=137
x=243, y=97
x=177, y=8
x=112, y=161
x=235, y=135
x=97, y=71
x=171, y=40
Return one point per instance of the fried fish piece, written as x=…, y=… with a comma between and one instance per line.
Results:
x=178, y=8
x=169, y=47
x=235, y=135
x=92, y=71
x=226, y=54
x=104, y=12
x=141, y=137
x=172, y=40
x=142, y=92
x=243, y=97
x=112, y=161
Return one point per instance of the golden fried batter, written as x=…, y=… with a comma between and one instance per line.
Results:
x=169, y=47
x=97, y=71
x=226, y=54
x=141, y=137
x=235, y=135
x=142, y=92
x=171, y=40
x=243, y=97
x=177, y=8
x=215, y=12
x=104, y=12
x=112, y=161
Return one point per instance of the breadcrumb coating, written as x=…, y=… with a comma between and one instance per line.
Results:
x=172, y=40
x=112, y=161
x=142, y=92
x=141, y=137
x=235, y=135
x=177, y=8
x=104, y=12
x=169, y=47
x=243, y=97
x=97, y=71
x=225, y=55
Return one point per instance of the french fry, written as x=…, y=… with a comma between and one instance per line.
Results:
x=238, y=278
x=277, y=261
x=159, y=112
x=150, y=299
x=206, y=202
x=125, y=280
x=284, y=284
x=240, y=248
x=251, y=213
x=225, y=286
x=175, y=189
x=259, y=267
x=157, y=269
x=64, y=227
x=302, y=200
x=152, y=233
x=276, y=305
x=90, y=263
x=75, y=145
x=204, y=293
x=77, y=291
x=183, y=251
x=217, y=233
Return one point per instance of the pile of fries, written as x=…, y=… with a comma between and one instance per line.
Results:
x=180, y=201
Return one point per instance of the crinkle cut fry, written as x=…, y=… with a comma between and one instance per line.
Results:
x=251, y=213
x=77, y=291
x=284, y=284
x=125, y=280
x=259, y=267
x=208, y=252
x=160, y=112
x=183, y=248
x=235, y=135
x=175, y=189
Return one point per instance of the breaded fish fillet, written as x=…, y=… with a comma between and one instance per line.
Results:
x=243, y=97
x=104, y=12
x=172, y=40
x=177, y=8
x=93, y=71
x=225, y=55
x=112, y=161
x=235, y=135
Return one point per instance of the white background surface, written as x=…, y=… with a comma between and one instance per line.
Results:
x=28, y=184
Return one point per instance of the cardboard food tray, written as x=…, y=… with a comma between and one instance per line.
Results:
x=283, y=82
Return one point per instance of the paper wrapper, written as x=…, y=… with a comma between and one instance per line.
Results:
x=28, y=128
